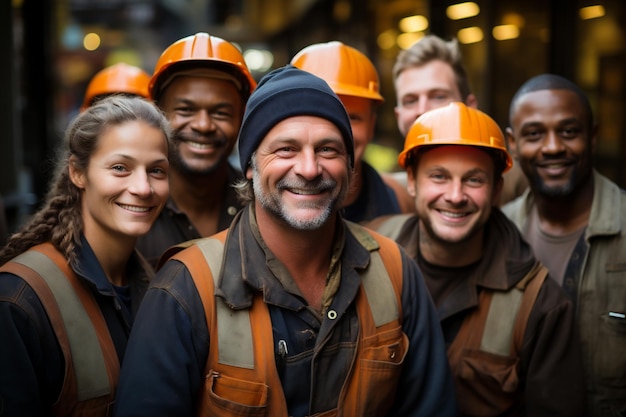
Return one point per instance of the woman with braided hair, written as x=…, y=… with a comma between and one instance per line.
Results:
x=71, y=279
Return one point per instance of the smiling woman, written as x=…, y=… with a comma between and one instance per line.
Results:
x=76, y=260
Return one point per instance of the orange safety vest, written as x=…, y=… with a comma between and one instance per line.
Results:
x=241, y=376
x=484, y=356
x=91, y=363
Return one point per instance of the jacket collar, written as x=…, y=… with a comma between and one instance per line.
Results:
x=244, y=257
x=88, y=268
x=605, y=217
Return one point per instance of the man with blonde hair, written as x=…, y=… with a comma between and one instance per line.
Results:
x=430, y=74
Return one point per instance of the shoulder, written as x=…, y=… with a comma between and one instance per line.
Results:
x=15, y=290
x=517, y=210
x=390, y=225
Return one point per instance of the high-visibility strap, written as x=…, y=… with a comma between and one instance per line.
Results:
x=508, y=314
x=234, y=333
x=235, y=341
x=498, y=334
x=87, y=357
x=376, y=281
x=380, y=293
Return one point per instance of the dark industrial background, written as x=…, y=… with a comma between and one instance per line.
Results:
x=47, y=65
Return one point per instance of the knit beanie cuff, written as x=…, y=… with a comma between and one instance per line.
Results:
x=288, y=92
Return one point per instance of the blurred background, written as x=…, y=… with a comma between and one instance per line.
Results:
x=54, y=47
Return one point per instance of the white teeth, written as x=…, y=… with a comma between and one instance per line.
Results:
x=305, y=192
x=453, y=215
x=197, y=145
x=135, y=208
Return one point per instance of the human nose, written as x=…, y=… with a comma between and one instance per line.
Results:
x=308, y=165
x=455, y=193
x=552, y=143
x=140, y=185
x=203, y=122
x=423, y=105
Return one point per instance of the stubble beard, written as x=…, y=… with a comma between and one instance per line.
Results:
x=272, y=204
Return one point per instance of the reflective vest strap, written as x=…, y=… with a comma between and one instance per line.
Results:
x=85, y=351
x=498, y=334
x=234, y=334
x=380, y=293
x=382, y=281
x=508, y=314
x=532, y=284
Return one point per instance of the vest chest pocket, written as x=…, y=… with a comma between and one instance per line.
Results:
x=230, y=397
x=380, y=367
x=487, y=382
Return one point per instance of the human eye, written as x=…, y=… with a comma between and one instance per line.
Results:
x=285, y=151
x=531, y=135
x=440, y=95
x=158, y=172
x=476, y=180
x=328, y=151
x=409, y=101
x=184, y=110
x=355, y=118
x=118, y=169
x=222, y=113
x=570, y=132
x=437, y=176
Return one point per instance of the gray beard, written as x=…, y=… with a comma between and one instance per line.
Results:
x=273, y=207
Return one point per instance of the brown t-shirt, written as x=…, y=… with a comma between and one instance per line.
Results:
x=553, y=251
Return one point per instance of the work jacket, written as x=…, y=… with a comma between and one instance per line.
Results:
x=595, y=279
x=313, y=364
x=503, y=369
x=173, y=226
x=64, y=331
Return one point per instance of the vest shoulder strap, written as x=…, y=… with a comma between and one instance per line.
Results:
x=382, y=282
x=531, y=285
x=234, y=335
x=508, y=314
x=76, y=319
x=499, y=323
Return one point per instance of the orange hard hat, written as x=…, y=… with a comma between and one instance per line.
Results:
x=347, y=71
x=455, y=124
x=117, y=78
x=202, y=50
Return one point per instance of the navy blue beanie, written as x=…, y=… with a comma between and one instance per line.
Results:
x=286, y=92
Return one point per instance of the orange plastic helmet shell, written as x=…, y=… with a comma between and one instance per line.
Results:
x=117, y=78
x=346, y=70
x=202, y=48
x=455, y=124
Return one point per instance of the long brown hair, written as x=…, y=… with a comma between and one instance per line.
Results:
x=59, y=220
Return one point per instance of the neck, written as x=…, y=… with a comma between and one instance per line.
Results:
x=113, y=255
x=563, y=215
x=305, y=254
